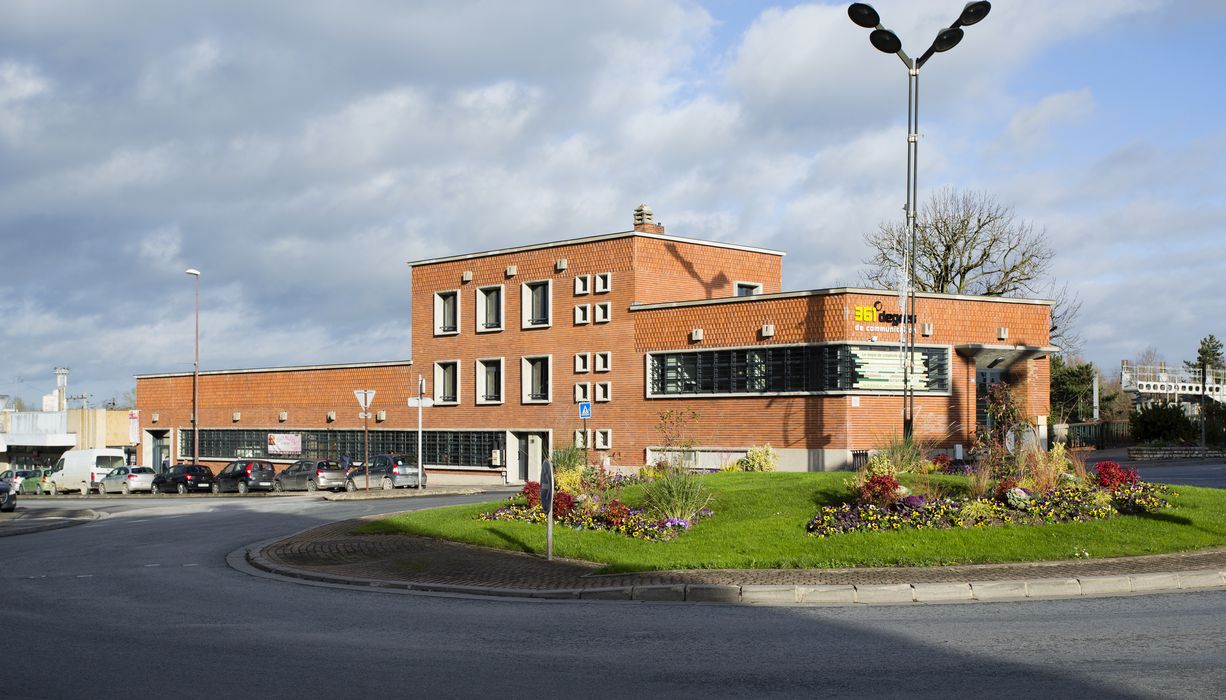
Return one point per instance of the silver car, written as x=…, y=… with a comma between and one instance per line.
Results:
x=125, y=480
x=311, y=475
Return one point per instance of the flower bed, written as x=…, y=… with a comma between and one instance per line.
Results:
x=676, y=501
x=612, y=516
x=1116, y=491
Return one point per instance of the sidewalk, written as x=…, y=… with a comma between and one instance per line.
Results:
x=330, y=554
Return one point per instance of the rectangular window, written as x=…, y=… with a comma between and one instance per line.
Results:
x=748, y=289
x=604, y=391
x=447, y=312
x=583, y=285
x=582, y=362
x=580, y=439
x=604, y=361
x=489, y=309
x=453, y=447
x=583, y=314
x=489, y=380
x=604, y=439
x=447, y=382
x=536, y=380
x=604, y=282
x=800, y=369
x=583, y=392
x=604, y=311
x=535, y=303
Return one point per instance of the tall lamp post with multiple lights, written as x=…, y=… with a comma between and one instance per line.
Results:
x=887, y=41
x=196, y=375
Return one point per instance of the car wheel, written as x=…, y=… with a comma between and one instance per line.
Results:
x=127, y=490
x=312, y=486
x=55, y=490
x=181, y=488
x=387, y=484
x=242, y=487
x=216, y=487
x=278, y=487
x=154, y=489
x=38, y=489
x=350, y=486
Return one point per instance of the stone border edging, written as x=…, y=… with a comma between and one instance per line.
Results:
x=788, y=595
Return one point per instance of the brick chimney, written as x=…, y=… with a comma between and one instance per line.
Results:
x=644, y=222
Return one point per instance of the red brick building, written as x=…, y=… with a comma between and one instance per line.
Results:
x=510, y=342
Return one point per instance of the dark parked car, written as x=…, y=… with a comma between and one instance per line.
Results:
x=184, y=478
x=311, y=475
x=386, y=472
x=8, y=498
x=245, y=475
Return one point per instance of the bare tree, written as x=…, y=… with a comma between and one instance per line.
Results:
x=968, y=243
x=1149, y=357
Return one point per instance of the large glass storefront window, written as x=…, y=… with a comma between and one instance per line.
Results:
x=441, y=447
x=798, y=369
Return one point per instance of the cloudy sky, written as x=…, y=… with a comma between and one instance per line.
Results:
x=298, y=153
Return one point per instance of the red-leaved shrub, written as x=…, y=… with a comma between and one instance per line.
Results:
x=941, y=460
x=563, y=504
x=879, y=490
x=532, y=493
x=616, y=512
x=1112, y=476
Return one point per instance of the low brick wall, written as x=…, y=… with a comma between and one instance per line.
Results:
x=1142, y=452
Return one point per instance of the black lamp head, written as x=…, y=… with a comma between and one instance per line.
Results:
x=973, y=12
x=885, y=41
x=947, y=39
x=864, y=15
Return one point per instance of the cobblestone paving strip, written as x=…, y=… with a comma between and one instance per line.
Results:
x=333, y=551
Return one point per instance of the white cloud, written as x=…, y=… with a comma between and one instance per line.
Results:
x=1030, y=127
x=181, y=73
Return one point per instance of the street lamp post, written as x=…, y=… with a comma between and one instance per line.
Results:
x=196, y=375
x=887, y=41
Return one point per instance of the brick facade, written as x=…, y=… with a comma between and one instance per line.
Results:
x=660, y=289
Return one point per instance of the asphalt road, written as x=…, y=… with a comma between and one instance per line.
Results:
x=143, y=605
x=1209, y=474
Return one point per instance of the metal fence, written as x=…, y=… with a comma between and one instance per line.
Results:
x=1100, y=436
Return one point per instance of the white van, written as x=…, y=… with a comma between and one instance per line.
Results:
x=82, y=470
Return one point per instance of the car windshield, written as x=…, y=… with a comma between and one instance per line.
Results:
x=108, y=461
x=401, y=462
x=329, y=466
x=196, y=469
x=142, y=470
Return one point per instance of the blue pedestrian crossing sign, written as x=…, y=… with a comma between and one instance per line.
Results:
x=585, y=410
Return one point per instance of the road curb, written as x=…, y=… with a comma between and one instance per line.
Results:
x=770, y=595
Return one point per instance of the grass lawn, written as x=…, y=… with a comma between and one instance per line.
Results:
x=760, y=519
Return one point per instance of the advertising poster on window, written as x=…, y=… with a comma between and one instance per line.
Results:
x=133, y=427
x=284, y=444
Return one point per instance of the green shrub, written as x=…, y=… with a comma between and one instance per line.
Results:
x=1163, y=423
x=759, y=459
x=677, y=495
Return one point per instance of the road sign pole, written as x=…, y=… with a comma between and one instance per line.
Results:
x=365, y=398
x=421, y=390
x=586, y=439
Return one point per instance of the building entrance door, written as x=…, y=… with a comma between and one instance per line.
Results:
x=984, y=379
x=159, y=441
x=521, y=439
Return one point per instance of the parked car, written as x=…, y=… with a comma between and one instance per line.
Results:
x=245, y=475
x=8, y=497
x=127, y=479
x=16, y=477
x=311, y=475
x=386, y=472
x=183, y=478
x=33, y=483
x=81, y=470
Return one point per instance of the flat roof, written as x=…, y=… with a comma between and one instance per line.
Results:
x=830, y=292
x=292, y=368
x=593, y=239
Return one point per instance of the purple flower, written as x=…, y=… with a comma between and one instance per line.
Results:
x=913, y=501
